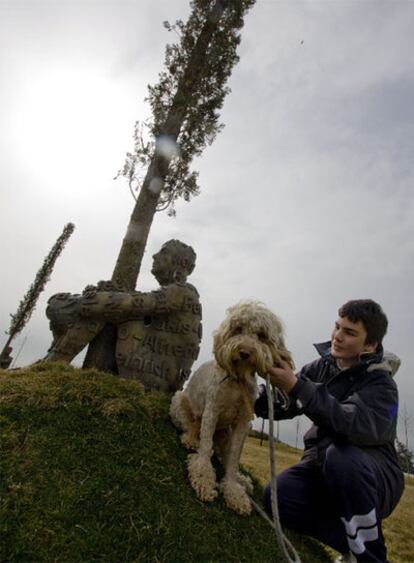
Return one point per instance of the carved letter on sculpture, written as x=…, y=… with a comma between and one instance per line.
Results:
x=170, y=342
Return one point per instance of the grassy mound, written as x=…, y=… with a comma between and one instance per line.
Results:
x=91, y=469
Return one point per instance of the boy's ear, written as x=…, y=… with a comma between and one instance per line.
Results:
x=370, y=348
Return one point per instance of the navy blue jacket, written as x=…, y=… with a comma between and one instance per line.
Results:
x=358, y=406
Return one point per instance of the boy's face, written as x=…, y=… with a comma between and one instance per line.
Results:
x=349, y=342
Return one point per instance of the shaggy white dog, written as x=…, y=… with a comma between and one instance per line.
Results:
x=215, y=409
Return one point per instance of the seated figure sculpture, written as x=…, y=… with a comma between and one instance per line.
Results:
x=158, y=332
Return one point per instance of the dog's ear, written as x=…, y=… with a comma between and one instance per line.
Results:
x=277, y=360
x=281, y=356
x=287, y=357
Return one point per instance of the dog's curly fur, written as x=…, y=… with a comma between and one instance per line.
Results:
x=215, y=409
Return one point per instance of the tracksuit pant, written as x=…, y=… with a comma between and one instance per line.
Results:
x=340, y=503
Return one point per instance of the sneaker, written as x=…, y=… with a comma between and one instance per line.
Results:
x=346, y=558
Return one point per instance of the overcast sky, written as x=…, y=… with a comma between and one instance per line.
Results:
x=306, y=196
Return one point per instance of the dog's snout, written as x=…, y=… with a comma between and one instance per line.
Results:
x=244, y=354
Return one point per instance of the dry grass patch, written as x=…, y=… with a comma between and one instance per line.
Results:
x=398, y=528
x=255, y=458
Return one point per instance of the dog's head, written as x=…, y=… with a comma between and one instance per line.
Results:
x=250, y=340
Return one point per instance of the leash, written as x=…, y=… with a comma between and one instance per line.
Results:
x=289, y=552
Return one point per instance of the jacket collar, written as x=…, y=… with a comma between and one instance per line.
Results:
x=324, y=350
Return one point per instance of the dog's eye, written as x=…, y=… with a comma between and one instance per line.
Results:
x=237, y=330
x=261, y=336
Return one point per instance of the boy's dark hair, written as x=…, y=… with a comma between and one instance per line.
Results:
x=370, y=314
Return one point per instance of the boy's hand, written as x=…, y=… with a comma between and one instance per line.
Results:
x=282, y=377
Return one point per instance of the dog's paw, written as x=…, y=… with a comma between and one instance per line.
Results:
x=245, y=482
x=189, y=441
x=202, y=477
x=236, y=497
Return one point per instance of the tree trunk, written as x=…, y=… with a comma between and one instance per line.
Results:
x=128, y=264
x=101, y=351
x=133, y=246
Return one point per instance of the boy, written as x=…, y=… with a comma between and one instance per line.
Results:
x=348, y=479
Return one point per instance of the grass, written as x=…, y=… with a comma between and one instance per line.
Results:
x=91, y=470
x=397, y=528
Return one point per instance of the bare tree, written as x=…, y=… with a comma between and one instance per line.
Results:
x=297, y=431
x=185, y=108
x=28, y=303
x=405, y=457
x=406, y=421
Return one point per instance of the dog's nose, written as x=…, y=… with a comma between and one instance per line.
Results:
x=244, y=355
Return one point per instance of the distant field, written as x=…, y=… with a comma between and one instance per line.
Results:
x=398, y=528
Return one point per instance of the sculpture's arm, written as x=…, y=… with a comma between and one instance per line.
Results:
x=115, y=307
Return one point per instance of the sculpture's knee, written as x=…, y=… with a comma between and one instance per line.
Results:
x=62, y=311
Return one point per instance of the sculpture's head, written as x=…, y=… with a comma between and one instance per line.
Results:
x=173, y=263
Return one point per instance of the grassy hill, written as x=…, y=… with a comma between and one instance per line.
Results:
x=91, y=469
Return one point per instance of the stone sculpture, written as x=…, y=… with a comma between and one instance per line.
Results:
x=6, y=358
x=158, y=332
